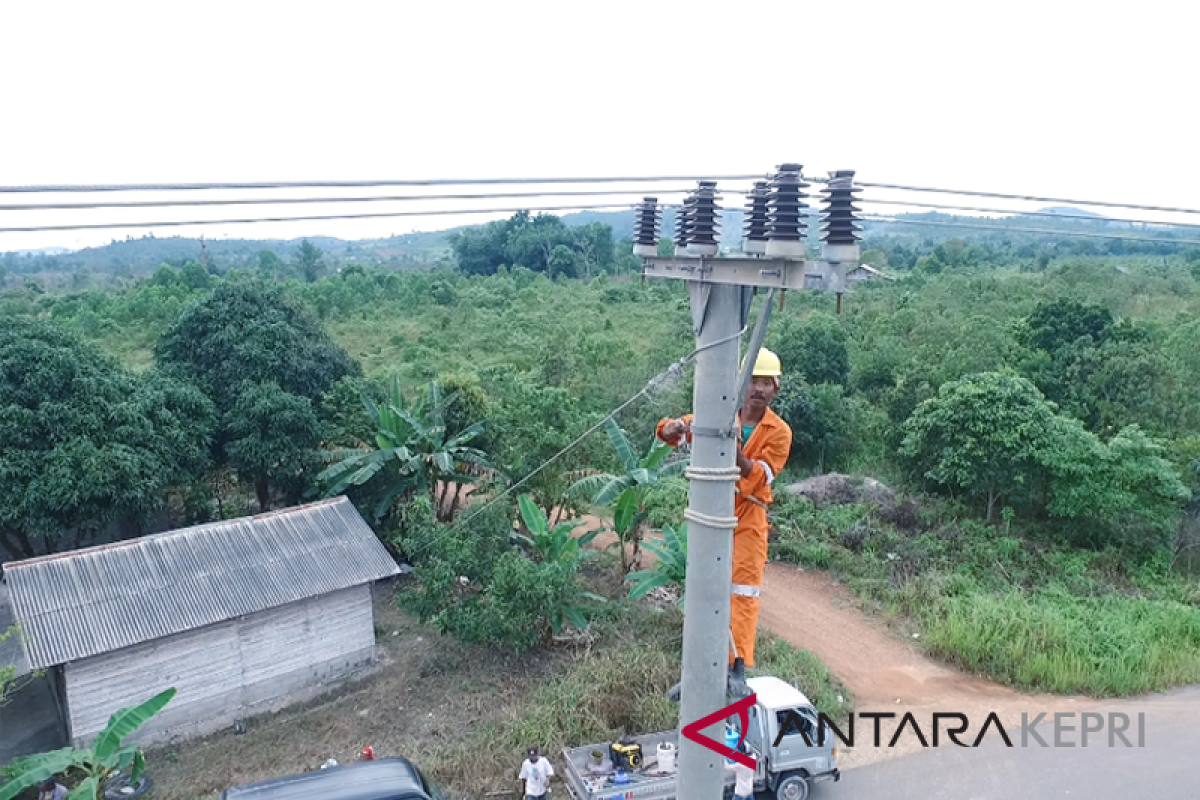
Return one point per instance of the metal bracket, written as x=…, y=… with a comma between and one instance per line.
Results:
x=774, y=273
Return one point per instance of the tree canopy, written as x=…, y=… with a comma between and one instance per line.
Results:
x=83, y=443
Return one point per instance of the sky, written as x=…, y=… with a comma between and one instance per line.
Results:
x=1094, y=101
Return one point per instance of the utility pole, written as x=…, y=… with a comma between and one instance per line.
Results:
x=721, y=290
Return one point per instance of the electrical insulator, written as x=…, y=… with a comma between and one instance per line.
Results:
x=645, y=238
x=840, y=220
x=785, y=235
x=758, y=220
x=704, y=221
x=683, y=225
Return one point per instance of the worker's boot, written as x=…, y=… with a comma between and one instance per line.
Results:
x=735, y=684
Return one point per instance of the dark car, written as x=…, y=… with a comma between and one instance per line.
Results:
x=382, y=779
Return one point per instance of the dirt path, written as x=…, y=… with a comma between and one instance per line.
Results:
x=885, y=673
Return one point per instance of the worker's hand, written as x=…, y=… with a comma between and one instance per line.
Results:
x=674, y=429
x=744, y=464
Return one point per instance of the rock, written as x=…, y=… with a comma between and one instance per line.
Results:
x=836, y=489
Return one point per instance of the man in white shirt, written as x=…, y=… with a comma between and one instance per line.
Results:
x=52, y=790
x=743, y=789
x=536, y=772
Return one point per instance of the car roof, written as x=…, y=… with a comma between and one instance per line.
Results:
x=381, y=779
x=775, y=694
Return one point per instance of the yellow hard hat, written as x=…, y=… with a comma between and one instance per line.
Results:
x=767, y=365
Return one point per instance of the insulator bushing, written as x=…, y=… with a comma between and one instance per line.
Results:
x=758, y=219
x=645, y=237
x=704, y=221
x=787, y=211
x=683, y=224
x=839, y=219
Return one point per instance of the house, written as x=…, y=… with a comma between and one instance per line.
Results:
x=242, y=617
x=864, y=272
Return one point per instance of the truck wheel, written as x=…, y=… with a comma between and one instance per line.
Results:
x=793, y=787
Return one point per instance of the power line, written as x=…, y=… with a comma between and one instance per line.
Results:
x=1047, y=214
x=173, y=187
x=293, y=200
x=1047, y=231
x=1027, y=197
x=177, y=223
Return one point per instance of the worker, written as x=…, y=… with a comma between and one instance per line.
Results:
x=52, y=790
x=764, y=441
x=536, y=771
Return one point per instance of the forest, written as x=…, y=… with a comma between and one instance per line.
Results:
x=1034, y=400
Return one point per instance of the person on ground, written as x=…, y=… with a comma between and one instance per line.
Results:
x=536, y=772
x=743, y=788
x=52, y=790
x=764, y=443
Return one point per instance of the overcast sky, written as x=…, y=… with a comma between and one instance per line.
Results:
x=1079, y=100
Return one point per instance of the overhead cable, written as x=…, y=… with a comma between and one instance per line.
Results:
x=1047, y=214
x=180, y=187
x=1046, y=231
x=178, y=223
x=1104, y=203
x=331, y=200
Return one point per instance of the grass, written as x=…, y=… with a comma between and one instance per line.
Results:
x=1113, y=645
x=1011, y=604
x=466, y=714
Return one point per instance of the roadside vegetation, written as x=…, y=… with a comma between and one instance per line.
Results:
x=1035, y=405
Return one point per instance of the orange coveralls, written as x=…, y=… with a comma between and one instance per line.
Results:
x=768, y=450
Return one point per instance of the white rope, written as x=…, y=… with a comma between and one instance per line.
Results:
x=716, y=474
x=729, y=523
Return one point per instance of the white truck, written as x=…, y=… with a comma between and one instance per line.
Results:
x=788, y=768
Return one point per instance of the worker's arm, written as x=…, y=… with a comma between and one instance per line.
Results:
x=769, y=460
x=672, y=430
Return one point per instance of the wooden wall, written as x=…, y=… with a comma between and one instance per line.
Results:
x=226, y=671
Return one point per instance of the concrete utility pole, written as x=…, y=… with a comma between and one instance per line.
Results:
x=721, y=291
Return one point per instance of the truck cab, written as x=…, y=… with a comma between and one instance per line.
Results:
x=789, y=768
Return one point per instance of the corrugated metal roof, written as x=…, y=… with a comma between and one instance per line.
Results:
x=83, y=603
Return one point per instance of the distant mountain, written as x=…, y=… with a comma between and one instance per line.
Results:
x=1070, y=211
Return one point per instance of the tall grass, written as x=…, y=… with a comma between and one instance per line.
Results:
x=1105, y=646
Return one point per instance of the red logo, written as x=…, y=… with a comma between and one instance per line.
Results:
x=692, y=731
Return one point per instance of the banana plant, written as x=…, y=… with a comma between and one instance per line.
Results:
x=412, y=454
x=107, y=756
x=627, y=492
x=671, y=567
x=557, y=545
x=551, y=544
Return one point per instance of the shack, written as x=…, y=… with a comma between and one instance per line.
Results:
x=242, y=617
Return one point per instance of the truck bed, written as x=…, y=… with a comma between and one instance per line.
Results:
x=647, y=783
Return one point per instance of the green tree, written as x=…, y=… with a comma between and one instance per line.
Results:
x=310, y=261
x=83, y=443
x=270, y=265
x=252, y=332
x=814, y=347
x=272, y=442
x=98, y=764
x=981, y=434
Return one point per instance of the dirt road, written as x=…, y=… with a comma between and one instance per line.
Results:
x=885, y=673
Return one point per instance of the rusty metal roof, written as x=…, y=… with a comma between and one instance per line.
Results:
x=83, y=603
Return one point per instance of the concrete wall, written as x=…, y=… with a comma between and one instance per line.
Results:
x=227, y=671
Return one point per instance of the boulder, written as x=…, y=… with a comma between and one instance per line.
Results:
x=833, y=488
